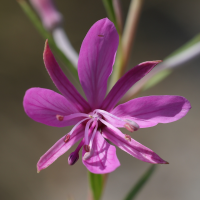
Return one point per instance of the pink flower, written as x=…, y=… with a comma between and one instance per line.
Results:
x=48, y=13
x=99, y=118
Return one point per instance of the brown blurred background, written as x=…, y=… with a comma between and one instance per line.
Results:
x=163, y=27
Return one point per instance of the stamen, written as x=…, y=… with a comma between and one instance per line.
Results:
x=87, y=130
x=111, y=126
x=131, y=125
x=87, y=155
x=103, y=112
x=68, y=135
x=128, y=137
x=75, y=115
x=93, y=135
x=59, y=117
x=87, y=148
x=128, y=124
x=79, y=146
x=67, y=138
x=77, y=125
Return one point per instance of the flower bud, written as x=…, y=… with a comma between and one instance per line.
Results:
x=49, y=15
x=73, y=157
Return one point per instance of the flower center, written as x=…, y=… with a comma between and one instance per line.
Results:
x=91, y=128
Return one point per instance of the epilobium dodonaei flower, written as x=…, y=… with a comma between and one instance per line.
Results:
x=99, y=118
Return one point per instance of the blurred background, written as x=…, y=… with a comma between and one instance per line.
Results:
x=163, y=27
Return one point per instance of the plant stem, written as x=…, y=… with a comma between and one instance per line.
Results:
x=118, y=15
x=130, y=31
x=126, y=41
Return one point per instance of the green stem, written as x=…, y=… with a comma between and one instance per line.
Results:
x=97, y=182
x=126, y=41
x=108, y=4
x=130, y=31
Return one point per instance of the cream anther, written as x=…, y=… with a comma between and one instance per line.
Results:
x=87, y=155
x=131, y=125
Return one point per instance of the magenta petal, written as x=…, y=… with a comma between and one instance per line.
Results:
x=96, y=59
x=42, y=105
x=132, y=147
x=62, y=82
x=151, y=110
x=59, y=148
x=103, y=157
x=126, y=82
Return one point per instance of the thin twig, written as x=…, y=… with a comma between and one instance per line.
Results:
x=130, y=31
x=118, y=14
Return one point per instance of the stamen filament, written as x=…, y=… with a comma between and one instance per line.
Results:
x=130, y=125
x=110, y=126
x=79, y=146
x=77, y=125
x=93, y=128
x=93, y=135
x=87, y=130
x=103, y=112
x=75, y=115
